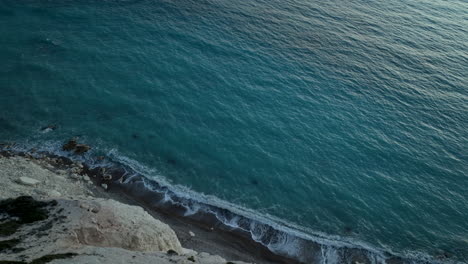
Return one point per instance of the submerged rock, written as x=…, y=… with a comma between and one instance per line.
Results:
x=348, y=229
x=70, y=145
x=48, y=128
x=82, y=148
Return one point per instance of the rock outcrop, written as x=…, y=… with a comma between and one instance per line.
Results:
x=39, y=224
x=108, y=223
x=72, y=145
x=91, y=230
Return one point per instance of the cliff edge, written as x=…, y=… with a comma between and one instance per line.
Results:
x=51, y=215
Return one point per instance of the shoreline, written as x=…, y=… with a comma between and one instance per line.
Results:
x=202, y=230
x=192, y=234
x=210, y=235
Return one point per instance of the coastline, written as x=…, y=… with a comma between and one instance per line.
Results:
x=194, y=236
x=270, y=132
x=201, y=230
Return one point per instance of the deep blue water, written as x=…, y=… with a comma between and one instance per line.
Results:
x=344, y=119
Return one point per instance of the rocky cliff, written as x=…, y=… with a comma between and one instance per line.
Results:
x=50, y=215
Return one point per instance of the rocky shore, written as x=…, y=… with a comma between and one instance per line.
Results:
x=103, y=212
x=54, y=210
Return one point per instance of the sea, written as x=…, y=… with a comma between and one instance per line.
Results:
x=343, y=122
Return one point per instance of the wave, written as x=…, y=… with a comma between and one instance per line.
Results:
x=280, y=237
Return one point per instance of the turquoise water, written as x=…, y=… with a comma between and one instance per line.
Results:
x=343, y=119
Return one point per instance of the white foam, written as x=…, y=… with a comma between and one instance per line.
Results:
x=192, y=209
x=329, y=255
x=288, y=240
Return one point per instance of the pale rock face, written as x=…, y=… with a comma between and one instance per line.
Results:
x=74, y=176
x=105, y=223
x=88, y=255
x=98, y=230
x=28, y=181
x=210, y=259
x=15, y=172
x=54, y=193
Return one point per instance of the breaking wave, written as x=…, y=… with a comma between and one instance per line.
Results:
x=280, y=237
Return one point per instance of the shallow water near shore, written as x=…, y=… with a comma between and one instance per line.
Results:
x=340, y=120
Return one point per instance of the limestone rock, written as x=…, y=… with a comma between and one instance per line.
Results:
x=98, y=230
x=75, y=176
x=54, y=193
x=75, y=170
x=124, y=226
x=88, y=255
x=27, y=181
x=13, y=168
x=210, y=259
